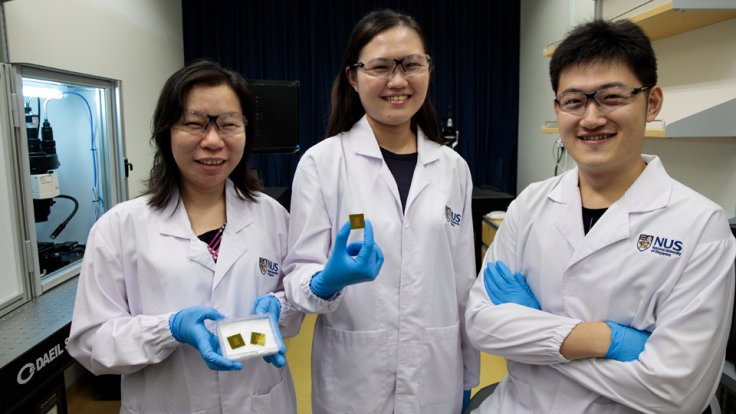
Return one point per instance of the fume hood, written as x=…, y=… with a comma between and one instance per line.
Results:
x=62, y=152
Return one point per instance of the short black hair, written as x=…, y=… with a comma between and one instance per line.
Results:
x=345, y=107
x=165, y=178
x=605, y=41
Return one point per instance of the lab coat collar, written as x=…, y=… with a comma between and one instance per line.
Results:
x=239, y=214
x=234, y=241
x=175, y=222
x=650, y=191
x=427, y=151
x=367, y=145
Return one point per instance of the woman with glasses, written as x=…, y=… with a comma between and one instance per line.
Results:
x=202, y=244
x=396, y=343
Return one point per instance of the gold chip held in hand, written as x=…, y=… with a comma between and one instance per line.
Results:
x=357, y=221
x=257, y=338
x=235, y=341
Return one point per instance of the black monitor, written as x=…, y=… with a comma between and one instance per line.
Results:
x=277, y=116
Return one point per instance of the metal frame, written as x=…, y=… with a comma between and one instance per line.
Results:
x=115, y=186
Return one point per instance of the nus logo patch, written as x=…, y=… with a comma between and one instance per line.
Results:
x=268, y=267
x=659, y=245
x=452, y=217
x=644, y=242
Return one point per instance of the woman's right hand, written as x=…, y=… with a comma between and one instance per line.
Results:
x=357, y=262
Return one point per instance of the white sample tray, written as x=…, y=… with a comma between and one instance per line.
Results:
x=246, y=338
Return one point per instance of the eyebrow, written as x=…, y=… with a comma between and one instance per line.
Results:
x=194, y=112
x=393, y=57
x=599, y=87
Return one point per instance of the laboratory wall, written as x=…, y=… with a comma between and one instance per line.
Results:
x=136, y=41
x=542, y=23
x=697, y=68
x=694, y=67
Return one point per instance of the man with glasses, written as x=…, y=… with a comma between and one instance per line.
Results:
x=608, y=288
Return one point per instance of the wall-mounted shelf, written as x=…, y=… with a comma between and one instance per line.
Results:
x=672, y=18
x=717, y=121
x=654, y=130
x=550, y=49
x=667, y=20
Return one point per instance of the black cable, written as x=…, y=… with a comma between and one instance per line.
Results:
x=560, y=153
x=65, y=222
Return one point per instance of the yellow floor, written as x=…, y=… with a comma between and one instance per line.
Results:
x=298, y=350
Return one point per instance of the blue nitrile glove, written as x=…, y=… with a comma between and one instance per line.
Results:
x=187, y=326
x=270, y=305
x=348, y=265
x=466, y=399
x=626, y=342
x=504, y=287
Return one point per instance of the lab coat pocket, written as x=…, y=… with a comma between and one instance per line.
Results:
x=351, y=369
x=442, y=366
x=278, y=399
x=519, y=392
x=603, y=405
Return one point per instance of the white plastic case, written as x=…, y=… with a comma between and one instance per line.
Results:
x=247, y=338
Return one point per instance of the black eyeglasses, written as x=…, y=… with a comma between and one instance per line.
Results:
x=384, y=67
x=198, y=123
x=606, y=99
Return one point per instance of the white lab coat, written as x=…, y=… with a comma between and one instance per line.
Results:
x=142, y=265
x=396, y=344
x=679, y=287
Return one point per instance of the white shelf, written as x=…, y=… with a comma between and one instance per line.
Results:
x=667, y=20
x=653, y=130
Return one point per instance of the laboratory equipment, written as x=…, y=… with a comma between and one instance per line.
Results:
x=62, y=154
x=450, y=134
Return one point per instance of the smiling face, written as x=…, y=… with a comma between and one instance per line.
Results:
x=205, y=161
x=391, y=102
x=606, y=143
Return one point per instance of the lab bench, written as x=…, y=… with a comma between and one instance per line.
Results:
x=485, y=200
x=33, y=353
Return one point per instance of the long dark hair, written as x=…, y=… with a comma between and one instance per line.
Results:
x=345, y=106
x=165, y=178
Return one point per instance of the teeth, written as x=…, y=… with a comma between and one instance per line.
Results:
x=211, y=162
x=397, y=98
x=595, y=138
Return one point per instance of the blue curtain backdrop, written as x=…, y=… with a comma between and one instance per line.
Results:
x=475, y=53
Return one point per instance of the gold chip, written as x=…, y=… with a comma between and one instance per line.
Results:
x=236, y=341
x=357, y=221
x=257, y=338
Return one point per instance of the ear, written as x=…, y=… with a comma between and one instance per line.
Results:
x=654, y=103
x=351, y=79
x=554, y=106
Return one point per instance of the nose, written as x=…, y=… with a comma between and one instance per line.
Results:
x=212, y=138
x=592, y=117
x=398, y=78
